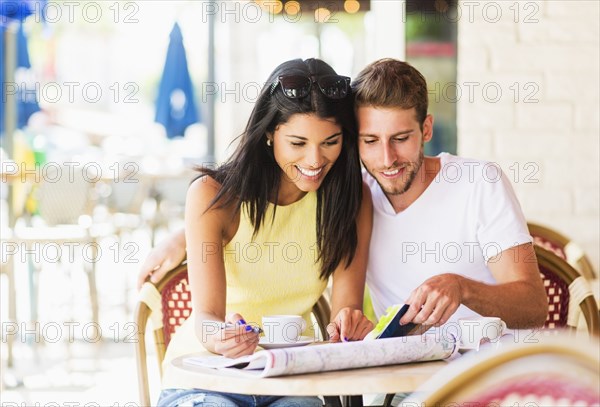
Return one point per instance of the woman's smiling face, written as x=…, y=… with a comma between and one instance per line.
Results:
x=305, y=148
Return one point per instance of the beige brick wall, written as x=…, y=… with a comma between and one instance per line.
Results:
x=529, y=75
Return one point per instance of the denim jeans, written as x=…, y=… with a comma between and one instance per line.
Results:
x=198, y=397
x=396, y=402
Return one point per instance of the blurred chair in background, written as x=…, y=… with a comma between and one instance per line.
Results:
x=169, y=192
x=125, y=199
x=62, y=228
x=569, y=294
x=563, y=247
x=554, y=371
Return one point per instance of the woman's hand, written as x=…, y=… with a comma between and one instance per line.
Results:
x=349, y=325
x=235, y=340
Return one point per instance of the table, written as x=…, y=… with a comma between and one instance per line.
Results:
x=10, y=174
x=383, y=379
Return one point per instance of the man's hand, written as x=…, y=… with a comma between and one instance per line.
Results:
x=349, y=325
x=434, y=301
x=162, y=258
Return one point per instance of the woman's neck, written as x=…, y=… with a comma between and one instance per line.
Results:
x=288, y=193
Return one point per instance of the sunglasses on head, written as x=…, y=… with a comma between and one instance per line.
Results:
x=298, y=86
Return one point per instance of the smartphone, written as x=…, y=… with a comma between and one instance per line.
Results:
x=393, y=329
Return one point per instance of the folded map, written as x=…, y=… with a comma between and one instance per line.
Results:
x=333, y=356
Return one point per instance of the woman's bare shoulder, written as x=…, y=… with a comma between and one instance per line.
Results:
x=205, y=185
x=202, y=192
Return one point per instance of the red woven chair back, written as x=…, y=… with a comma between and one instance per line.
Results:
x=550, y=389
x=556, y=288
x=562, y=247
x=176, y=303
x=551, y=246
x=557, y=291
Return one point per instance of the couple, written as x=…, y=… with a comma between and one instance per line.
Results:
x=438, y=233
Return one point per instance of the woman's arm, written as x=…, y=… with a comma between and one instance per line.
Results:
x=204, y=234
x=348, y=321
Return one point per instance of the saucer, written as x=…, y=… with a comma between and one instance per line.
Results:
x=303, y=340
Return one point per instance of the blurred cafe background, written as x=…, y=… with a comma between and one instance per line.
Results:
x=107, y=105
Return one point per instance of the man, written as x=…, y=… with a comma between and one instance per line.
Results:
x=448, y=226
x=449, y=237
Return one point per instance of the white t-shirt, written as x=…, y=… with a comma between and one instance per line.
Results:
x=468, y=214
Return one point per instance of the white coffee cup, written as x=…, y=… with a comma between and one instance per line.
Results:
x=474, y=330
x=283, y=328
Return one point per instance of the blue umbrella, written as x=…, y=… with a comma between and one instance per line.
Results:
x=27, y=99
x=18, y=10
x=15, y=10
x=175, y=106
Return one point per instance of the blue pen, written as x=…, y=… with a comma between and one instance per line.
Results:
x=255, y=329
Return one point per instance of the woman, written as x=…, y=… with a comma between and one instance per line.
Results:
x=267, y=229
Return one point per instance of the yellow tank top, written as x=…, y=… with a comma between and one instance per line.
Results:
x=274, y=272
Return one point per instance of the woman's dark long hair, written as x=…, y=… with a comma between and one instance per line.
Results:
x=252, y=175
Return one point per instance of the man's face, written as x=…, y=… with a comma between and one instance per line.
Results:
x=391, y=145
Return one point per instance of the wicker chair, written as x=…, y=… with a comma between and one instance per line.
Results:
x=555, y=371
x=65, y=200
x=171, y=304
x=569, y=294
x=563, y=247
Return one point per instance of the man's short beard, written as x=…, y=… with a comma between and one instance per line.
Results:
x=411, y=176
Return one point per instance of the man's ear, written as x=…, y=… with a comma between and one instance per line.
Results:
x=428, y=128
